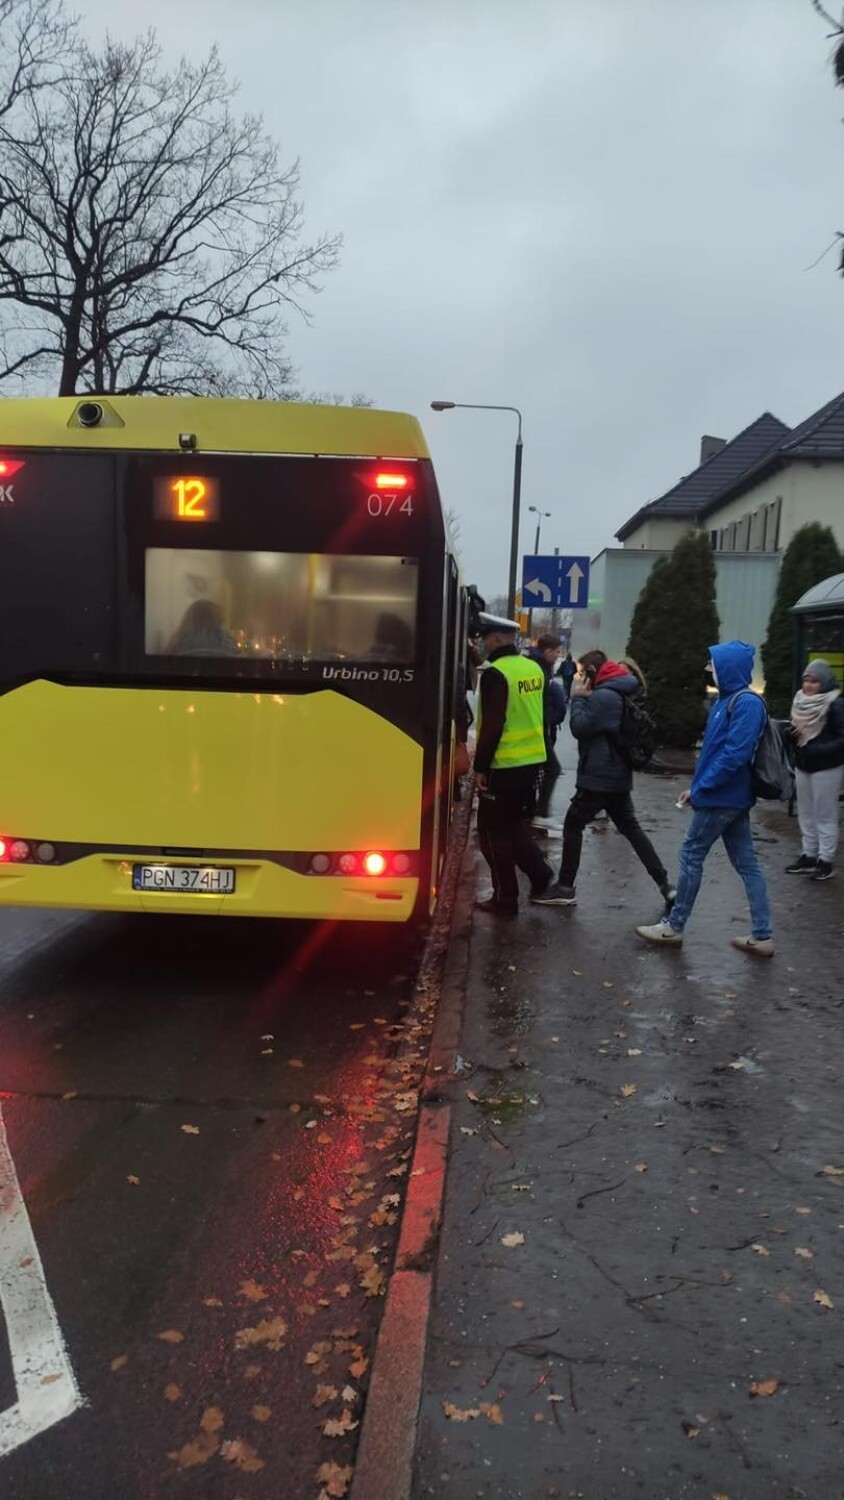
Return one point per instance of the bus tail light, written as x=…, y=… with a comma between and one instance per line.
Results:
x=385, y=481
x=9, y=467
x=26, y=852
x=371, y=862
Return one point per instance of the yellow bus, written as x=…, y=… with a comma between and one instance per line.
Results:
x=231, y=659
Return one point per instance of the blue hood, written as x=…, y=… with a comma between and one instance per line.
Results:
x=734, y=664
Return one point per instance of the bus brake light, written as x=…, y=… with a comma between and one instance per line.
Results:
x=2, y=849
x=374, y=864
x=391, y=481
x=10, y=467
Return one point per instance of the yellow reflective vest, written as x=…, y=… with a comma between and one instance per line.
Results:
x=522, y=741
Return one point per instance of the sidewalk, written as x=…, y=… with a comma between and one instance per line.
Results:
x=644, y=1217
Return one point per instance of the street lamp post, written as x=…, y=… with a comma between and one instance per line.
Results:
x=517, y=485
x=540, y=515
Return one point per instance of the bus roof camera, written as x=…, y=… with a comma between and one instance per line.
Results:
x=187, y=441
x=89, y=414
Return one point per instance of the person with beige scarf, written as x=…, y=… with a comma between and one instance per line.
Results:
x=817, y=734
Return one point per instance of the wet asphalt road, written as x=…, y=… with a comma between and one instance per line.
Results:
x=665, y=1131
x=210, y=1124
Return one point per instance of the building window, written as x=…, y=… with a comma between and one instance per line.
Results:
x=772, y=525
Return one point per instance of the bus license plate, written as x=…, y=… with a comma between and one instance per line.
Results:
x=201, y=880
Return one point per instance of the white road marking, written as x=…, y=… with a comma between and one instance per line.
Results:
x=46, y=1384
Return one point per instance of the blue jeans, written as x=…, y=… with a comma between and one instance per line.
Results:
x=708, y=825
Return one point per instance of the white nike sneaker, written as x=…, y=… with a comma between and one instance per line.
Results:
x=661, y=934
x=761, y=947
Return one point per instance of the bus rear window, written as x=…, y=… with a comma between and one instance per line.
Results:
x=299, y=606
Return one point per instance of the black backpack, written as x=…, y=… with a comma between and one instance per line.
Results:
x=636, y=739
x=771, y=774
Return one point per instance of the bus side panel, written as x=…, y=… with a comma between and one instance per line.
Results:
x=205, y=770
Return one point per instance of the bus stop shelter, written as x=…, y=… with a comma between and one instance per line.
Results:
x=819, y=617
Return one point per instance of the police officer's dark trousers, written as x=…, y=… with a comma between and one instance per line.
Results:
x=504, y=834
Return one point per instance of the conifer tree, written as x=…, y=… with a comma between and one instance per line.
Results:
x=674, y=624
x=811, y=555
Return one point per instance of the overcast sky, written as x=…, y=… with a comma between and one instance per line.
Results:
x=600, y=211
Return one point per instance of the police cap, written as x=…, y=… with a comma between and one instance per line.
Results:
x=496, y=624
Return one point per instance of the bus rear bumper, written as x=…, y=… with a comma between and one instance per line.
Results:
x=262, y=889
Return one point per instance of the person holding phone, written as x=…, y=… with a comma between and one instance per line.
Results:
x=604, y=775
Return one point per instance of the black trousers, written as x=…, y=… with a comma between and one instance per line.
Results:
x=506, y=841
x=548, y=777
x=619, y=806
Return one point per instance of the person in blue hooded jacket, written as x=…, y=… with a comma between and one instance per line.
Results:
x=721, y=796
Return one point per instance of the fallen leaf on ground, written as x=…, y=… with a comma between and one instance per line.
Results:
x=627, y=1090
x=252, y=1291
x=244, y=1457
x=295, y=1062
x=135, y=1181
x=211, y=1302
x=760, y=1250
x=261, y=1413
x=467, y=1130
x=268, y=1331
x=205, y=1445
x=641, y=1166
x=119, y=1362
x=455, y=1414
x=358, y=1367
x=171, y=1336
x=803, y=1253
x=493, y=1413
x=172, y=1392
x=823, y=1299
x=518, y=1303
x=373, y=1281
x=764, y=1387
x=51, y=1379
x=783, y=1296
x=339, y=1426
x=268, y=1037
x=323, y=1394
x=690, y=1430
x=72, y=1094
x=267, y=1052
x=349, y=1394
x=825, y=1171
x=717, y=1150
x=343, y=1289
x=512, y=1240
x=802, y=1210
x=634, y=1052
x=190, y=1129
x=336, y=1479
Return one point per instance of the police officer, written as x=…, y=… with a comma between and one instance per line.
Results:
x=509, y=756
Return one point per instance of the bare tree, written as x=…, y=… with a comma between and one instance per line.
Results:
x=149, y=238
x=35, y=38
x=837, y=37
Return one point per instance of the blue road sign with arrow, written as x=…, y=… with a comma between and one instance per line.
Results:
x=555, y=582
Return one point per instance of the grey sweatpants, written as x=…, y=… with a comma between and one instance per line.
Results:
x=817, y=811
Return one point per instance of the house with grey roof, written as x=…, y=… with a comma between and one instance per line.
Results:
x=750, y=495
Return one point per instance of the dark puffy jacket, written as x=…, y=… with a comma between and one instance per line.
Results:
x=595, y=720
x=826, y=750
x=554, y=703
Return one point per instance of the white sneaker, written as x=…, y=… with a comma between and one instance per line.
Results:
x=544, y=823
x=761, y=947
x=662, y=934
